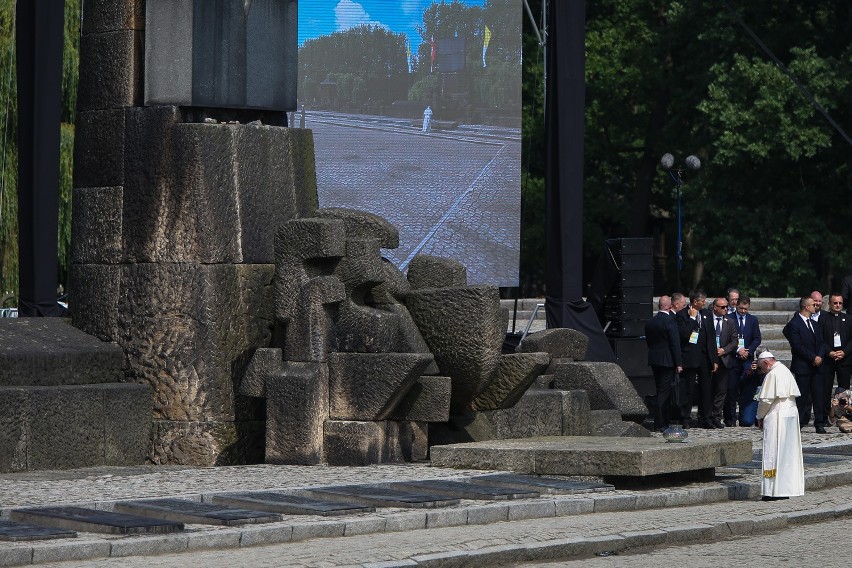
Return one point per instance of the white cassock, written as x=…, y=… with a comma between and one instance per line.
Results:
x=783, y=470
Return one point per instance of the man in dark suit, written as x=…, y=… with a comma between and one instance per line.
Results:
x=665, y=359
x=726, y=336
x=836, y=330
x=700, y=358
x=846, y=290
x=742, y=385
x=808, y=352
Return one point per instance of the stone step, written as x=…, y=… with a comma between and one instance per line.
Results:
x=50, y=351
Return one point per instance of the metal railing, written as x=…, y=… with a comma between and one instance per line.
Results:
x=8, y=312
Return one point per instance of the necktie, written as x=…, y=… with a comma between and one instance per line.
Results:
x=718, y=326
x=742, y=325
x=810, y=326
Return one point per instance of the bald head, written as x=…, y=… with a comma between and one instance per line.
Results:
x=665, y=303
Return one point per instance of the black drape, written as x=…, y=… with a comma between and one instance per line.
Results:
x=39, y=28
x=564, y=107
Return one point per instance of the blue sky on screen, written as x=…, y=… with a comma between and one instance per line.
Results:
x=322, y=17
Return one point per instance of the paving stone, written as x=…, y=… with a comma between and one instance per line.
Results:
x=405, y=521
x=256, y=536
x=614, y=503
x=531, y=509
x=691, y=532
x=76, y=550
x=485, y=514
x=185, y=511
x=574, y=506
x=391, y=564
x=146, y=546
x=740, y=527
x=650, y=500
x=364, y=525
x=214, y=539
x=91, y=520
x=12, y=531
x=647, y=538
x=446, y=518
x=770, y=522
x=290, y=504
x=16, y=556
x=325, y=529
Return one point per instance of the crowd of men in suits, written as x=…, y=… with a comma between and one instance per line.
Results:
x=704, y=356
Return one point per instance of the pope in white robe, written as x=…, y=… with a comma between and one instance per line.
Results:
x=783, y=469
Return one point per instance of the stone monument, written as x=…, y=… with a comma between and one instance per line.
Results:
x=267, y=328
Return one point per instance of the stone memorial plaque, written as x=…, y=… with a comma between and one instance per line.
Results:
x=290, y=504
x=844, y=450
x=386, y=497
x=185, y=511
x=756, y=464
x=12, y=531
x=548, y=485
x=462, y=490
x=92, y=520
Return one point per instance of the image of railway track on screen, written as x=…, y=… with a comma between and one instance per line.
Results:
x=415, y=106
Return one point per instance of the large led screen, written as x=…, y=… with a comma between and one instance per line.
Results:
x=415, y=107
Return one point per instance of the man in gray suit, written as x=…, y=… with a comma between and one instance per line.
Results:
x=665, y=359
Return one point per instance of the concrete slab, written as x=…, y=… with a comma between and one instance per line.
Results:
x=585, y=455
x=384, y=497
x=290, y=504
x=548, y=485
x=91, y=520
x=184, y=511
x=12, y=531
x=463, y=490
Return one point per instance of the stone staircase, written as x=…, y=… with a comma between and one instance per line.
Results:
x=772, y=314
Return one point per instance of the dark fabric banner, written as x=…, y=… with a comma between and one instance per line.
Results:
x=39, y=39
x=564, y=108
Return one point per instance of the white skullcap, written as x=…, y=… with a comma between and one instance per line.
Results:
x=766, y=355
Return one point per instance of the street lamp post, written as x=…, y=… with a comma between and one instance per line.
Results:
x=676, y=173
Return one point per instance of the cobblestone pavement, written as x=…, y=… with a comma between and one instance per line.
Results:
x=501, y=531
x=365, y=549
x=808, y=545
x=452, y=193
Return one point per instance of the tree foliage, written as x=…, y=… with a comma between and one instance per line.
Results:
x=768, y=210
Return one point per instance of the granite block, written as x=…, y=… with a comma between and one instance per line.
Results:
x=428, y=271
x=70, y=550
x=94, y=292
x=96, y=225
x=51, y=352
x=607, y=385
x=109, y=15
x=560, y=343
x=111, y=74
x=296, y=409
x=469, y=354
x=99, y=149
x=519, y=510
x=257, y=536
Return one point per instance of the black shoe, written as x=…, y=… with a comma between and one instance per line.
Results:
x=717, y=423
x=820, y=430
x=768, y=498
x=707, y=424
x=730, y=423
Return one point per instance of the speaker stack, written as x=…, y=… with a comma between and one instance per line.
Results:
x=627, y=306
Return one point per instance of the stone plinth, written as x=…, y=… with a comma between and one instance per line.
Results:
x=598, y=456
